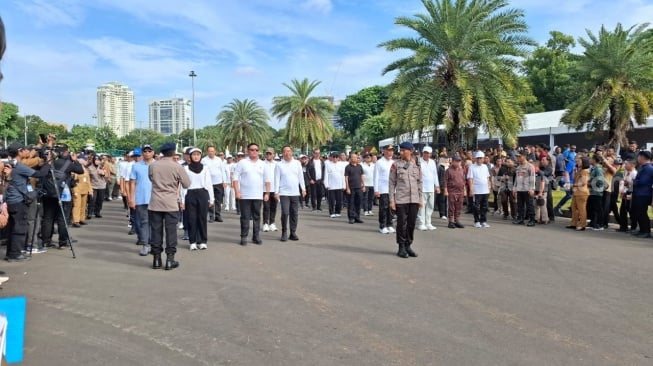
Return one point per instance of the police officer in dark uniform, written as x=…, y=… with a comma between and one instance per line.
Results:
x=405, y=192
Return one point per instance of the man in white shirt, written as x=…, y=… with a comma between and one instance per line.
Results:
x=368, y=169
x=289, y=185
x=250, y=184
x=381, y=189
x=219, y=177
x=270, y=207
x=478, y=178
x=334, y=181
x=229, y=199
x=430, y=187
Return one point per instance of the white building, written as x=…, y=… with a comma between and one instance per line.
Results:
x=115, y=108
x=171, y=116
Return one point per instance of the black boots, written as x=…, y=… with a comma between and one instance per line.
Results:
x=171, y=263
x=156, y=263
x=284, y=236
x=243, y=240
x=410, y=252
x=402, y=251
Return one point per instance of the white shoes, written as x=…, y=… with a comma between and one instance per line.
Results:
x=431, y=227
x=266, y=228
x=338, y=215
x=273, y=227
x=485, y=224
x=193, y=246
x=444, y=218
x=422, y=228
x=478, y=225
x=333, y=216
x=384, y=230
x=390, y=229
x=203, y=246
x=370, y=213
x=181, y=226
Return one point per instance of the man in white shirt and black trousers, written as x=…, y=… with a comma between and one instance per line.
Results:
x=250, y=183
x=219, y=177
x=289, y=185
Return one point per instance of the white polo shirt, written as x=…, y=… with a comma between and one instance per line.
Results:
x=251, y=178
x=479, y=174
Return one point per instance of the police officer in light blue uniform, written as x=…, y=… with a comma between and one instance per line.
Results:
x=405, y=192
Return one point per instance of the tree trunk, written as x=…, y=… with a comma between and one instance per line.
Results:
x=453, y=134
x=615, y=136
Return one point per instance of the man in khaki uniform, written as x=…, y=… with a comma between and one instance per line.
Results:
x=405, y=190
x=166, y=176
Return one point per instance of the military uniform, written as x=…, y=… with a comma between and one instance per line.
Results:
x=405, y=190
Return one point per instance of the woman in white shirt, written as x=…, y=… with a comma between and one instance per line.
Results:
x=196, y=200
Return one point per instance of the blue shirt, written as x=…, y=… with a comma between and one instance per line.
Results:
x=17, y=188
x=643, y=183
x=143, y=192
x=571, y=164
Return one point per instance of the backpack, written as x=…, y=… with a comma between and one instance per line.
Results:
x=61, y=178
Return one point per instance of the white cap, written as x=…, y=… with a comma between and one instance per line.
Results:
x=427, y=149
x=479, y=154
x=195, y=149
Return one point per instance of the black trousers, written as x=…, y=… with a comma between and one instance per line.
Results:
x=159, y=222
x=441, y=203
x=549, y=205
x=270, y=210
x=639, y=211
x=355, y=201
x=218, y=195
x=406, y=220
x=368, y=199
x=625, y=216
x=289, y=212
x=385, y=214
x=306, y=199
x=480, y=207
x=196, y=210
x=51, y=214
x=334, y=196
x=17, y=228
x=95, y=202
x=595, y=210
x=250, y=210
x=317, y=191
x=610, y=206
x=525, y=208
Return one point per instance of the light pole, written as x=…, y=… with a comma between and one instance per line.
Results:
x=25, y=130
x=192, y=78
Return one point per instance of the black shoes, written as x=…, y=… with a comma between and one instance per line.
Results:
x=82, y=223
x=358, y=221
x=243, y=241
x=402, y=252
x=410, y=252
x=218, y=219
x=171, y=263
x=451, y=225
x=351, y=222
x=518, y=222
x=132, y=232
x=643, y=235
x=459, y=225
x=98, y=216
x=293, y=237
x=531, y=223
x=570, y=227
x=257, y=241
x=156, y=262
x=284, y=237
x=76, y=224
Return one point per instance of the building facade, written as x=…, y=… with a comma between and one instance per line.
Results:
x=171, y=116
x=115, y=108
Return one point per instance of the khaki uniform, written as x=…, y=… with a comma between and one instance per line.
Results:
x=80, y=195
x=405, y=190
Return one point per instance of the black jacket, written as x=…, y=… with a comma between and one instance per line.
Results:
x=311, y=169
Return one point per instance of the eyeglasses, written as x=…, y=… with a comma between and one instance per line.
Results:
x=253, y=149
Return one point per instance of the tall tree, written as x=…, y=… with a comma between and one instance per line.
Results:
x=308, y=117
x=356, y=108
x=617, y=75
x=374, y=128
x=549, y=71
x=462, y=61
x=9, y=126
x=242, y=122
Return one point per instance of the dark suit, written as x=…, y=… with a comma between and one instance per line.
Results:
x=317, y=188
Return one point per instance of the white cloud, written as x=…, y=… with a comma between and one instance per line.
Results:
x=322, y=6
x=47, y=13
x=248, y=71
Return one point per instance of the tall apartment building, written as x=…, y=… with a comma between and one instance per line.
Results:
x=115, y=107
x=171, y=116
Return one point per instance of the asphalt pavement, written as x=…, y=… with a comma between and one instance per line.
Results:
x=506, y=295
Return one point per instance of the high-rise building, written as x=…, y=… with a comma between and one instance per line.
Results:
x=115, y=108
x=170, y=116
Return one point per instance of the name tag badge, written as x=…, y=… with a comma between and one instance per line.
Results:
x=29, y=188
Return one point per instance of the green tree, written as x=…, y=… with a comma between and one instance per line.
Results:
x=617, y=75
x=462, y=62
x=307, y=117
x=242, y=122
x=80, y=136
x=36, y=125
x=549, y=71
x=10, y=128
x=375, y=128
x=358, y=107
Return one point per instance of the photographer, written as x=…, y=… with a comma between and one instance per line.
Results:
x=63, y=163
x=17, y=175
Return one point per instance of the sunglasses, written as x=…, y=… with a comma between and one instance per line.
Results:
x=253, y=149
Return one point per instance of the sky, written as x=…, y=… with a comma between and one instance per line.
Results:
x=59, y=52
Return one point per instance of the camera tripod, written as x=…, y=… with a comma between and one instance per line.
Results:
x=62, y=212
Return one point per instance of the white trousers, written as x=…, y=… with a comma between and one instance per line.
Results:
x=229, y=198
x=425, y=212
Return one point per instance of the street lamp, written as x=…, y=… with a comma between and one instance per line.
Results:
x=192, y=78
x=25, y=130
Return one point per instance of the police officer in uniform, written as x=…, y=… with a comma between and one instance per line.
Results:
x=406, y=197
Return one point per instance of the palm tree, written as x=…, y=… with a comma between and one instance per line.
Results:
x=308, y=118
x=617, y=75
x=462, y=66
x=241, y=122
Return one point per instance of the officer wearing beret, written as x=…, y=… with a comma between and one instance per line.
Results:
x=405, y=191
